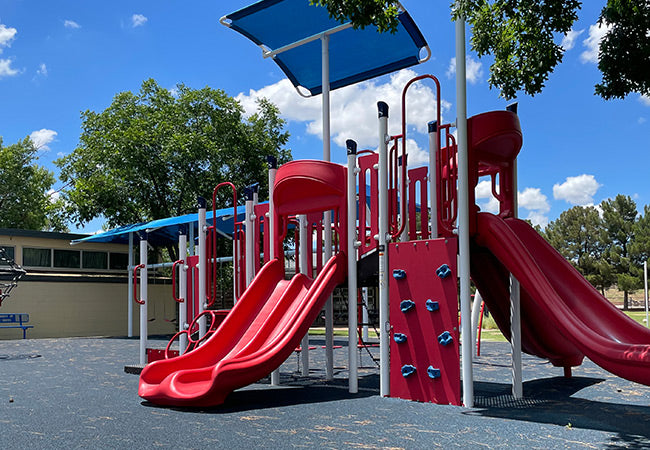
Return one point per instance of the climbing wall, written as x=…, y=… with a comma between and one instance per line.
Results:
x=424, y=350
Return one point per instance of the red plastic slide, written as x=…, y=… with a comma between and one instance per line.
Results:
x=258, y=335
x=563, y=317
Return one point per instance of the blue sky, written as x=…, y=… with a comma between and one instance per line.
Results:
x=58, y=59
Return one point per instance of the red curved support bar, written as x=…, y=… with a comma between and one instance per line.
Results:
x=176, y=299
x=135, y=283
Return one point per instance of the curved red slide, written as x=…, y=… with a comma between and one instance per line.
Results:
x=563, y=316
x=256, y=337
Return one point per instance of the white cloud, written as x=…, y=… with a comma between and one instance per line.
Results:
x=596, y=34
x=42, y=138
x=578, y=190
x=569, y=39
x=6, y=36
x=533, y=199
x=42, y=70
x=6, y=70
x=645, y=99
x=138, y=20
x=60, y=154
x=54, y=195
x=71, y=24
x=473, y=69
x=483, y=191
x=641, y=120
x=538, y=218
x=354, y=109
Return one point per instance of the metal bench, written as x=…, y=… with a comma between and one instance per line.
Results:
x=15, y=321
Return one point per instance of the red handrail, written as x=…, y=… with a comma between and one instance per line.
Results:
x=176, y=298
x=135, y=283
x=403, y=187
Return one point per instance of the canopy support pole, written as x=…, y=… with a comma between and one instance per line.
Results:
x=463, y=216
x=327, y=216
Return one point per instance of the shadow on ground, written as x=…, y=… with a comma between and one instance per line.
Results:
x=552, y=401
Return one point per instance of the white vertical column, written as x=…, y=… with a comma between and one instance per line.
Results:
x=203, y=265
x=182, y=286
x=645, y=290
x=384, y=322
x=353, y=381
x=249, y=223
x=130, y=287
x=144, y=319
x=306, y=257
x=270, y=229
x=463, y=215
x=434, y=145
x=327, y=216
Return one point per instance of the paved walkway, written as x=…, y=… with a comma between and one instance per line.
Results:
x=74, y=393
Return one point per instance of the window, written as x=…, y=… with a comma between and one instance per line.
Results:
x=37, y=257
x=94, y=260
x=9, y=253
x=119, y=261
x=69, y=259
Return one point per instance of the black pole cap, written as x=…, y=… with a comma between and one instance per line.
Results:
x=272, y=161
x=351, y=146
x=433, y=126
x=383, y=109
x=512, y=107
x=201, y=202
x=182, y=229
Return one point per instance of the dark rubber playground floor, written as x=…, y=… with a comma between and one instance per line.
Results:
x=74, y=393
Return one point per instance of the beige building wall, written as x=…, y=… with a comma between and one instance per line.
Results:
x=77, y=308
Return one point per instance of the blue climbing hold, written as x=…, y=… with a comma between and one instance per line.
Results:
x=433, y=373
x=445, y=338
x=407, y=370
x=399, y=337
x=405, y=305
x=399, y=274
x=432, y=305
x=443, y=271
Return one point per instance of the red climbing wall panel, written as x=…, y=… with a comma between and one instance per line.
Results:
x=424, y=351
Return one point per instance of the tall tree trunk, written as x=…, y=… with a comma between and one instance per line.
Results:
x=625, y=301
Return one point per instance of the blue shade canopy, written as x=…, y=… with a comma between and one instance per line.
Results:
x=355, y=55
x=166, y=231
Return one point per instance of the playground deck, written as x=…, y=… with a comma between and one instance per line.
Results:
x=74, y=393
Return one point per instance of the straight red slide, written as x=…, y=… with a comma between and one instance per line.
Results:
x=563, y=317
x=257, y=336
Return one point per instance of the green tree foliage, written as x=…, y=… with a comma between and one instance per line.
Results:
x=520, y=35
x=624, y=57
x=25, y=199
x=578, y=235
x=619, y=221
x=150, y=154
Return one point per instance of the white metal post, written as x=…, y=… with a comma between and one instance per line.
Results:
x=645, y=290
x=130, y=287
x=384, y=320
x=463, y=215
x=182, y=286
x=327, y=216
x=203, y=264
x=144, y=319
x=306, y=257
x=515, y=313
x=270, y=229
x=249, y=224
x=353, y=382
x=434, y=145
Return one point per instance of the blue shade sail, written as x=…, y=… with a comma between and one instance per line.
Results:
x=355, y=55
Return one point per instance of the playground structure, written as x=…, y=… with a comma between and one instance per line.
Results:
x=374, y=201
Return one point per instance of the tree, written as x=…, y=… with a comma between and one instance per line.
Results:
x=578, y=235
x=150, y=154
x=624, y=57
x=520, y=35
x=619, y=219
x=25, y=198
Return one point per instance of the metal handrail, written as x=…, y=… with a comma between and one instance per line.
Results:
x=135, y=283
x=176, y=298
